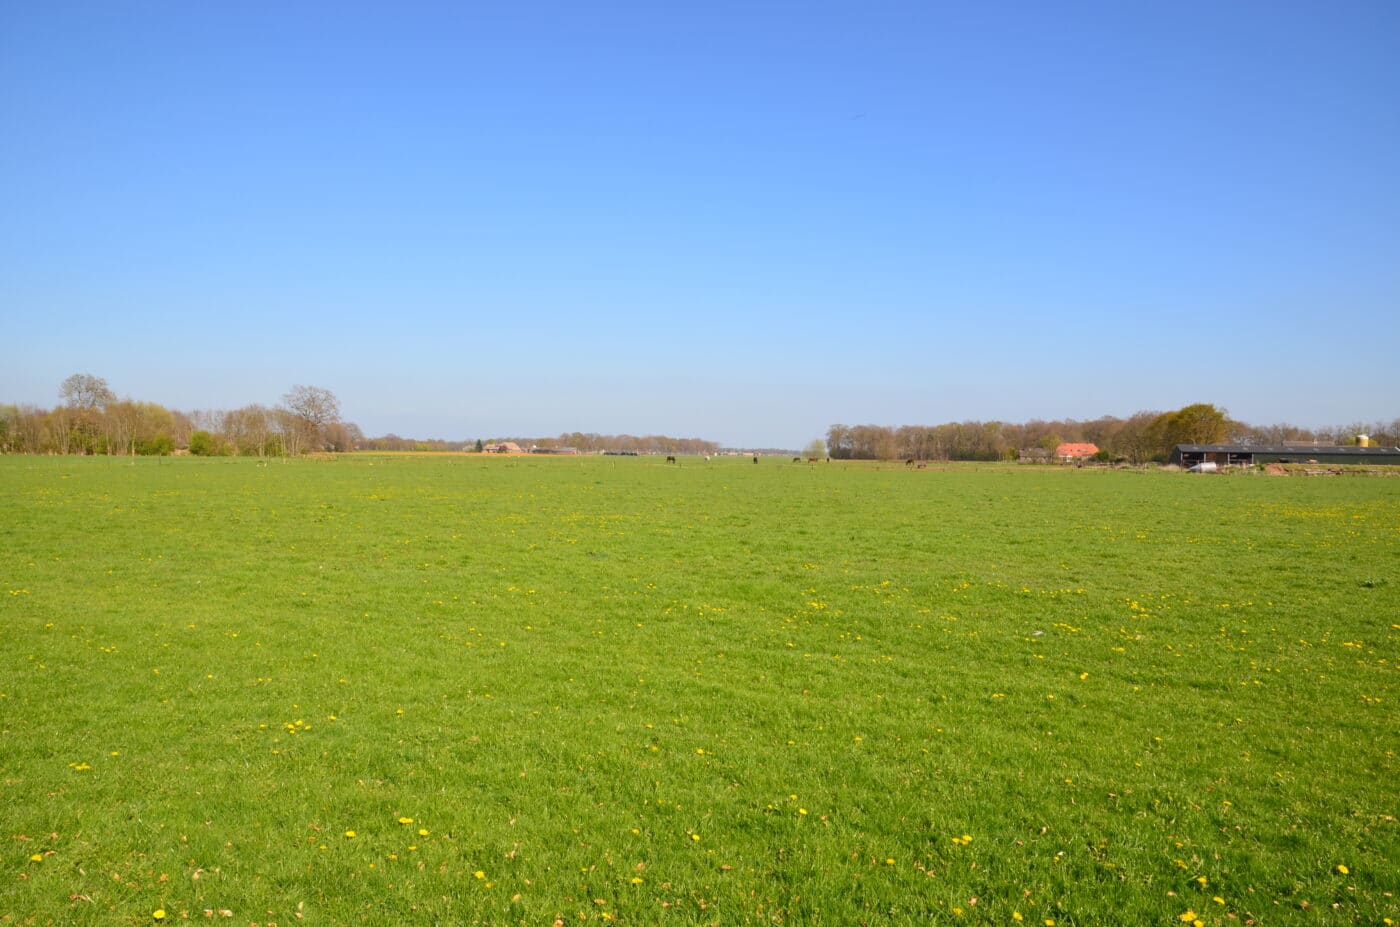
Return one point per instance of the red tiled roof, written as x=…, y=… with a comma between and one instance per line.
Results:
x=1076, y=450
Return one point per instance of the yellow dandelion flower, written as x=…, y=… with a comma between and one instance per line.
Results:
x=636, y=880
x=889, y=862
x=405, y=820
x=349, y=835
x=37, y=857
x=694, y=836
x=1187, y=917
x=1343, y=870
x=479, y=874
x=1016, y=915
x=1218, y=900
x=158, y=914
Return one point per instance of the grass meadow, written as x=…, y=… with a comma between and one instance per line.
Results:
x=455, y=690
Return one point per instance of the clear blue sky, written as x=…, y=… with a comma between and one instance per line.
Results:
x=739, y=221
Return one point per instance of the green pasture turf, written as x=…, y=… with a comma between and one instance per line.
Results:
x=456, y=690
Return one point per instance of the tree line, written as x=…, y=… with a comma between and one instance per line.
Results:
x=92, y=420
x=1140, y=438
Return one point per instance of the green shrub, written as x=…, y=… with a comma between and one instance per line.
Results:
x=202, y=444
x=161, y=445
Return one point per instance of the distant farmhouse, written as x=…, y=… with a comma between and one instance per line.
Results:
x=1247, y=455
x=505, y=447
x=1070, y=451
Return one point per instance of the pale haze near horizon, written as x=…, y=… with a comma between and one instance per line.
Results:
x=737, y=222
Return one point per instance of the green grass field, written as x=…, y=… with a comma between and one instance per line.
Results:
x=427, y=690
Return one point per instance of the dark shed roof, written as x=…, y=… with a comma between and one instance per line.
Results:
x=1293, y=450
x=1261, y=453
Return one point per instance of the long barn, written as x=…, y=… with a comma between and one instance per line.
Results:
x=1247, y=455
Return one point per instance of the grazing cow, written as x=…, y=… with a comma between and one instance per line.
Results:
x=811, y=460
x=755, y=458
x=797, y=460
x=909, y=462
x=670, y=459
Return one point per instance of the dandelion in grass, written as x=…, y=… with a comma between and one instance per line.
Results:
x=158, y=914
x=349, y=835
x=405, y=820
x=422, y=831
x=480, y=874
x=1343, y=870
x=37, y=858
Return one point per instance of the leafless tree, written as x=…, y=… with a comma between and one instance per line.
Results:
x=85, y=391
x=315, y=408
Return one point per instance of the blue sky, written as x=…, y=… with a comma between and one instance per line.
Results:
x=741, y=221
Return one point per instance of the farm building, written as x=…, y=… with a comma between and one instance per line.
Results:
x=504, y=447
x=1247, y=455
x=1072, y=451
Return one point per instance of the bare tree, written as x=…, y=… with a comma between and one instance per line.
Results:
x=123, y=419
x=255, y=425
x=84, y=397
x=315, y=408
x=291, y=428
x=85, y=391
